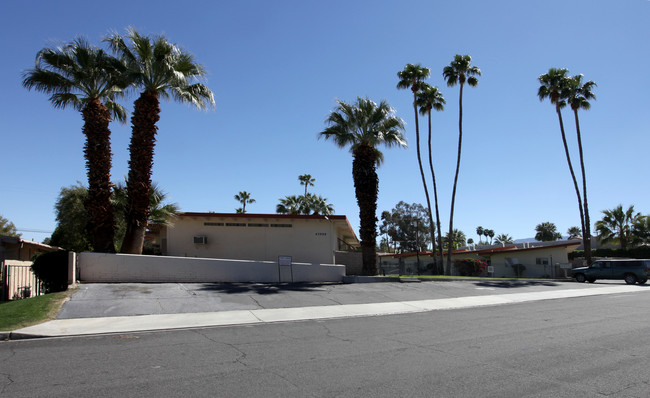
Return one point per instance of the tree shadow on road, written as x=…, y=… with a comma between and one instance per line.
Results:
x=515, y=283
x=261, y=288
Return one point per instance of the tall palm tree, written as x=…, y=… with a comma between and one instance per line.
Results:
x=617, y=225
x=363, y=126
x=89, y=80
x=413, y=76
x=578, y=96
x=479, y=232
x=490, y=234
x=554, y=86
x=244, y=197
x=429, y=98
x=307, y=181
x=459, y=71
x=159, y=69
x=160, y=212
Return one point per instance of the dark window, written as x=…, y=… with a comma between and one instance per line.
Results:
x=281, y=225
x=235, y=224
x=258, y=225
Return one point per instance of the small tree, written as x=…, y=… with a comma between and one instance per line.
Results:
x=7, y=228
x=52, y=269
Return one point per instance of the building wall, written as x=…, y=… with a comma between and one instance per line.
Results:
x=105, y=267
x=263, y=239
x=528, y=258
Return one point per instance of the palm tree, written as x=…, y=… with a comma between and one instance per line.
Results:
x=431, y=98
x=578, y=96
x=160, y=213
x=413, y=76
x=290, y=205
x=458, y=239
x=307, y=181
x=159, y=69
x=363, y=126
x=641, y=230
x=244, y=197
x=479, y=232
x=503, y=239
x=554, y=86
x=490, y=234
x=547, y=231
x=89, y=80
x=574, y=232
x=459, y=72
x=617, y=226
x=316, y=204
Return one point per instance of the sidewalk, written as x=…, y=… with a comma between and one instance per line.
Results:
x=299, y=304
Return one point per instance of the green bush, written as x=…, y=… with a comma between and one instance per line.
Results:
x=635, y=252
x=52, y=269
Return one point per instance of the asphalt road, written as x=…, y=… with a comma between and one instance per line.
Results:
x=127, y=299
x=580, y=347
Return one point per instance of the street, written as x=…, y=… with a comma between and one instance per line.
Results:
x=579, y=347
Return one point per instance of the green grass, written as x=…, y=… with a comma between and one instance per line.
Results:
x=22, y=313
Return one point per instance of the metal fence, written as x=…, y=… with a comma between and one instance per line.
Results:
x=19, y=282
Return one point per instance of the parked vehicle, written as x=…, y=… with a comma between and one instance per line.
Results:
x=631, y=271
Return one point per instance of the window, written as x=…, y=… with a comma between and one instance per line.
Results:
x=541, y=261
x=213, y=224
x=257, y=225
x=281, y=225
x=200, y=240
x=235, y=224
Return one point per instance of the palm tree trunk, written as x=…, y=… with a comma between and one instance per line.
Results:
x=439, y=256
x=573, y=175
x=366, y=186
x=453, y=193
x=97, y=151
x=586, y=232
x=424, y=181
x=146, y=113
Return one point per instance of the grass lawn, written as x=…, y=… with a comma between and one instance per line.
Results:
x=22, y=313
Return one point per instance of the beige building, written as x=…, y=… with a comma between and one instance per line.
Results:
x=262, y=237
x=547, y=260
x=539, y=259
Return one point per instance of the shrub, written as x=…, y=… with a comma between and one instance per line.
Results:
x=470, y=266
x=52, y=269
x=635, y=252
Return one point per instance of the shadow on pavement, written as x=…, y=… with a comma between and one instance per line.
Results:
x=514, y=284
x=235, y=288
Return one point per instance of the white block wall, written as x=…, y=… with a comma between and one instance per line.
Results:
x=105, y=267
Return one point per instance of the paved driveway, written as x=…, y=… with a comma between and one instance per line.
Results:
x=125, y=299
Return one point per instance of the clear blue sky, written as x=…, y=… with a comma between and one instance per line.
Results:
x=277, y=67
